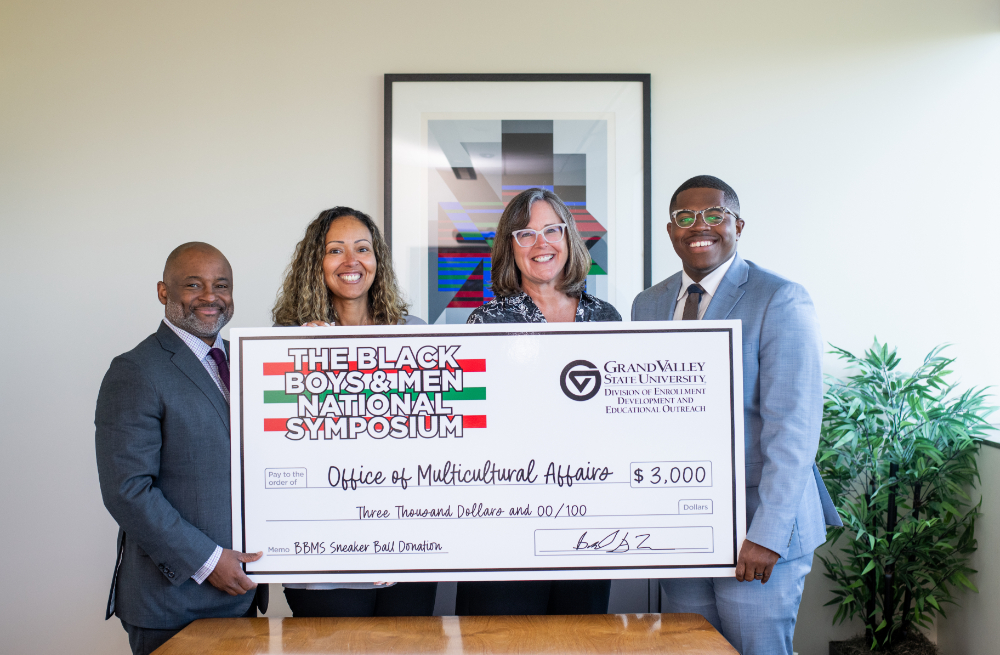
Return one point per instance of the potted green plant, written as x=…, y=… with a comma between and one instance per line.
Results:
x=898, y=454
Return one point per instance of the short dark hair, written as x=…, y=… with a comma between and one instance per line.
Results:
x=709, y=182
x=516, y=216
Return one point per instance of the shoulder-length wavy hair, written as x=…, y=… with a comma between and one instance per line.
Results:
x=304, y=295
x=506, y=275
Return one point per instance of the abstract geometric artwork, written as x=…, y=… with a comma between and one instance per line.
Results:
x=459, y=147
x=482, y=164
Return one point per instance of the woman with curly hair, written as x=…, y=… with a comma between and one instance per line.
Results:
x=341, y=274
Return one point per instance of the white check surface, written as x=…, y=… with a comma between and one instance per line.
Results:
x=493, y=452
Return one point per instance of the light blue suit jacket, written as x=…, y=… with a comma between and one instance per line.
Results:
x=788, y=506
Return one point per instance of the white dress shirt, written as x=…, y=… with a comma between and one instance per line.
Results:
x=200, y=350
x=710, y=283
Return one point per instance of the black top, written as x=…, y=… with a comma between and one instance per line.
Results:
x=520, y=308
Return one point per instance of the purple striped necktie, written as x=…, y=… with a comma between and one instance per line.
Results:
x=220, y=361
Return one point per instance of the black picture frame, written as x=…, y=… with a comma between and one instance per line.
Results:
x=642, y=78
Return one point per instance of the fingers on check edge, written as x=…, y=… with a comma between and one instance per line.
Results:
x=240, y=587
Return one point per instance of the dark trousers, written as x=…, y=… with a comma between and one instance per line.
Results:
x=401, y=599
x=144, y=641
x=532, y=597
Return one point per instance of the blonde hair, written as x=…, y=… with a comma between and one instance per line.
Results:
x=506, y=276
x=304, y=295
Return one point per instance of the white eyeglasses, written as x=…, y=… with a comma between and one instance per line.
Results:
x=551, y=234
x=685, y=218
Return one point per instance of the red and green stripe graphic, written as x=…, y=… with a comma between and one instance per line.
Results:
x=278, y=396
x=280, y=368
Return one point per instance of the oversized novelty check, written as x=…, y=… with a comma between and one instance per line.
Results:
x=488, y=452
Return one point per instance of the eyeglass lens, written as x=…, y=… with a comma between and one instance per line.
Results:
x=711, y=216
x=551, y=234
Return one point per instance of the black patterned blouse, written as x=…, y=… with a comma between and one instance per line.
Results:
x=520, y=308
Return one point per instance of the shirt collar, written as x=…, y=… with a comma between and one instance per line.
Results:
x=581, y=307
x=710, y=283
x=197, y=346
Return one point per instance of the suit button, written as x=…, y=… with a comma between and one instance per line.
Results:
x=171, y=575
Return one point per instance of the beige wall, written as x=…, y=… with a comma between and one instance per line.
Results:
x=862, y=137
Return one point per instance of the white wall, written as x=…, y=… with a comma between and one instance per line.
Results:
x=972, y=627
x=862, y=138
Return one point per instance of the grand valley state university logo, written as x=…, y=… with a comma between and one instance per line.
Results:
x=580, y=380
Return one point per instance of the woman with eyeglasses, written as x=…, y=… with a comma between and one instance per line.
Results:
x=341, y=274
x=540, y=267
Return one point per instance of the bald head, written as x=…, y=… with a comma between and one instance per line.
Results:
x=197, y=290
x=178, y=253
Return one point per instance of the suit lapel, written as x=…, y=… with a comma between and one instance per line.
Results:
x=729, y=291
x=669, y=299
x=185, y=360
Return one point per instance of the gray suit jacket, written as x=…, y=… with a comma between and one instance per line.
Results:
x=788, y=506
x=163, y=460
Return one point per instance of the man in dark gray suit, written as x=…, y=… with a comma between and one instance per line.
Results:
x=788, y=507
x=163, y=459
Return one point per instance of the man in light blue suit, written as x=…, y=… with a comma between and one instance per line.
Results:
x=788, y=507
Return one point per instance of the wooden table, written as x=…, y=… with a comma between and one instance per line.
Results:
x=452, y=635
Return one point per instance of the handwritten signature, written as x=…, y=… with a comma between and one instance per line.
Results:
x=616, y=542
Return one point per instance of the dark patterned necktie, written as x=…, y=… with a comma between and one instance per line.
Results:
x=691, y=304
x=220, y=361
